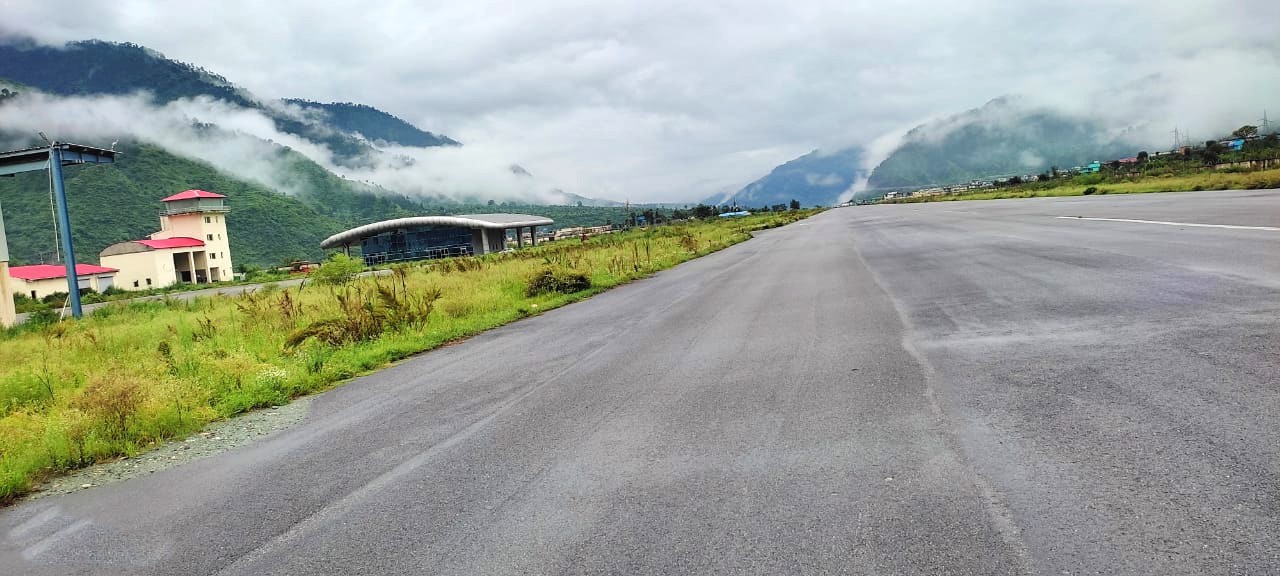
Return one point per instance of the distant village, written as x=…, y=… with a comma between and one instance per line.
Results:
x=1235, y=143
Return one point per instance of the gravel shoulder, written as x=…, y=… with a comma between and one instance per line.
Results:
x=218, y=437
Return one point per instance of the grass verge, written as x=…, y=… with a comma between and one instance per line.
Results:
x=131, y=375
x=1217, y=180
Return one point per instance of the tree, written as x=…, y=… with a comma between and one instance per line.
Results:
x=703, y=211
x=1246, y=131
x=795, y=204
x=1142, y=156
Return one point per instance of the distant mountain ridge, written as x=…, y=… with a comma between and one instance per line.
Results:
x=120, y=201
x=816, y=179
x=374, y=124
x=93, y=67
x=1005, y=137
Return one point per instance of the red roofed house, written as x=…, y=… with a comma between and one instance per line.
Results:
x=191, y=245
x=42, y=280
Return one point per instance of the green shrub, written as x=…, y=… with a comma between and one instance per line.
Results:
x=338, y=270
x=560, y=280
x=1090, y=190
x=43, y=317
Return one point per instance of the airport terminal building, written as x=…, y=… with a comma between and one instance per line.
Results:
x=427, y=237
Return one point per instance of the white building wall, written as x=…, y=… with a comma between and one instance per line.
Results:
x=209, y=227
x=155, y=266
x=47, y=286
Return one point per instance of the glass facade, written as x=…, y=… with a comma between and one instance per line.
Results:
x=416, y=243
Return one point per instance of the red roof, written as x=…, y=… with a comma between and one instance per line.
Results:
x=175, y=242
x=191, y=195
x=47, y=271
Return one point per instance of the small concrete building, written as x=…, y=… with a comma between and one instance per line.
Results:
x=191, y=246
x=425, y=237
x=40, y=280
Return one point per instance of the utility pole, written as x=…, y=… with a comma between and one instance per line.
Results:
x=1266, y=124
x=1177, y=140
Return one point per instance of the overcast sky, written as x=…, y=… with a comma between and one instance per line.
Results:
x=654, y=100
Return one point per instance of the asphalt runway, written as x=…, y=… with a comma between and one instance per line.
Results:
x=1071, y=385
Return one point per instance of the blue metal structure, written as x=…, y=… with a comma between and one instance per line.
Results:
x=416, y=243
x=424, y=237
x=54, y=157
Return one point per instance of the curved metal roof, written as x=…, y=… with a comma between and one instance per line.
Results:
x=490, y=221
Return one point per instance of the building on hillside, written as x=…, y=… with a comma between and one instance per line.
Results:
x=426, y=237
x=40, y=280
x=191, y=246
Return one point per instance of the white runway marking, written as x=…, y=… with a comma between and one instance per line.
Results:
x=1228, y=226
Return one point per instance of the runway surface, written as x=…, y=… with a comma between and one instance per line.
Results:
x=950, y=388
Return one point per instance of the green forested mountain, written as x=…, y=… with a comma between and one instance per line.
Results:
x=111, y=203
x=96, y=67
x=374, y=124
x=1005, y=137
x=121, y=201
x=267, y=226
x=815, y=179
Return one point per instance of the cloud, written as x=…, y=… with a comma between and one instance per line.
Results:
x=830, y=179
x=1030, y=160
x=244, y=142
x=667, y=100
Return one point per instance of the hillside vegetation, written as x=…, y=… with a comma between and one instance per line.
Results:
x=1003, y=138
x=117, y=202
x=96, y=67
x=113, y=203
x=131, y=375
x=815, y=179
x=1205, y=168
x=1007, y=136
x=374, y=124
x=268, y=225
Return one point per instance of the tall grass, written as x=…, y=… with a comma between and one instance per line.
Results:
x=134, y=374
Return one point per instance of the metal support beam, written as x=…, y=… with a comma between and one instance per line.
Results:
x=7, y=316
x=64, y=222
x=54, y=156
